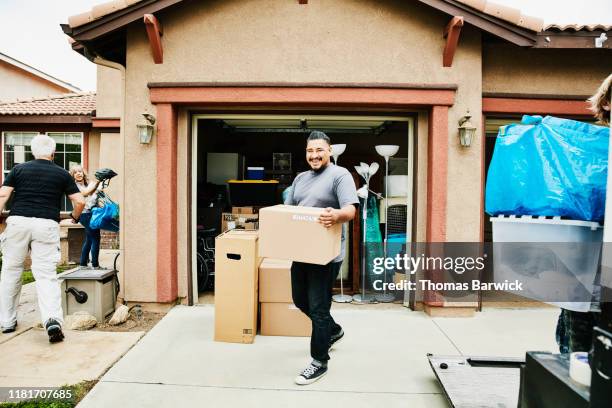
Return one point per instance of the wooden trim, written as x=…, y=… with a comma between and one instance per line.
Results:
x=105, y=123
x=303, y=97
x=190, y=226
x=451, y=33
x=117, y=20
x=85, y=148
x=53, y=119
x=166, y=140
x=509, y=95
x=382, y=85
x=535, y=106
x=485, y=22
x=154, y=33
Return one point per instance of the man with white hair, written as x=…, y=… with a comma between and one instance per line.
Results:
x=37, y=187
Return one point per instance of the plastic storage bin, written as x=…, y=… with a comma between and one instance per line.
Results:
x=259, y=193
x=541, y=229
x=255, y=173
x=557, y=260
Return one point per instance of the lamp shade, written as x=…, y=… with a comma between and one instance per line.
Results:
x=337, y=150
x=386, y=150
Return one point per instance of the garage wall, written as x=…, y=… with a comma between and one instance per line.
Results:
x=356, y=41
x=553, y=72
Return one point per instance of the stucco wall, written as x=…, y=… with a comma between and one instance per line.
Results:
x=108, y=94
x=509, y=69
x=275, y=40
x=18, y=84
x=93, y=152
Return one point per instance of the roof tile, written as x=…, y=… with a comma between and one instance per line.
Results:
x=509, y=14
x=68, y=104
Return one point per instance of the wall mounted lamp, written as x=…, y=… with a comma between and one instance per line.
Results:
x=466, y=130
x=146, y=131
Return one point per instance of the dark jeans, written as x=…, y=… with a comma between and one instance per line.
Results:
x=311, y=286
x=91, y=244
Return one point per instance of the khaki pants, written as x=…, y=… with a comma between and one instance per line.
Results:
x=41, y=237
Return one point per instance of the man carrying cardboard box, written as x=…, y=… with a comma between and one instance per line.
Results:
x=331, y=187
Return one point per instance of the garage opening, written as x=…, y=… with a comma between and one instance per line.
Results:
x=244, y=162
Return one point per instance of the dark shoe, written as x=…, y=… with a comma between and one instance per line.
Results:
x=54, y=330
x=335, y=338
x=10, y=329
x=311, y=374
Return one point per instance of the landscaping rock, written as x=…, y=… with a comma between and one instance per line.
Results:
x=80, y=321
x=120, y=316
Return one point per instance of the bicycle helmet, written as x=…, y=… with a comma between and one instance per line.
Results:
x=105, y=174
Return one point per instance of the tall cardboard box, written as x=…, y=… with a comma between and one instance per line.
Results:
x=279, y=316
x=236, y=271
x=293, y=233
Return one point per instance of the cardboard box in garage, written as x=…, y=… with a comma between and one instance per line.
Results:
x=231, y=221
x=236, y=271
x=284, y=319
x=245, y=210
x=294, y=233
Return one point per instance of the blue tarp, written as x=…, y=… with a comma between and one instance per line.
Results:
x=551, y=167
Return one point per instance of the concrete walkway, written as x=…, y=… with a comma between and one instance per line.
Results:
x=381, y=362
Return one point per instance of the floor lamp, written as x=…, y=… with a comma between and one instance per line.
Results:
x=386, y=151
x=366, y=172
x=337, y=150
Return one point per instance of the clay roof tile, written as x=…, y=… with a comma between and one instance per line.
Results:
x=81, y=104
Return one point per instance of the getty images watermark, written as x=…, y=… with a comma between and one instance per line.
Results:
x=551, y=272
x=407, y=264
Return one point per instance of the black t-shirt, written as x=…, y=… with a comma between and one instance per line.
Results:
x=39, y=186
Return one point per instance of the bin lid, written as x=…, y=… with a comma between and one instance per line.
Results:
x=90, y=274
x=252, y=181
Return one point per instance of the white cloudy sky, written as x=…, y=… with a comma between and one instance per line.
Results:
x=30, y=32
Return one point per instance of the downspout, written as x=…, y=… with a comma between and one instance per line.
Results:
x=114, y=65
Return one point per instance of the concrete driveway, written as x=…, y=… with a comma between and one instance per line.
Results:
x=381, y=362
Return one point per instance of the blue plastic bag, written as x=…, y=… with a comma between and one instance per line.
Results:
x=105, y=217
x=550, y=167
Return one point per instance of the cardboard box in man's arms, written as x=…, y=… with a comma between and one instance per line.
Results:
x=294, y=233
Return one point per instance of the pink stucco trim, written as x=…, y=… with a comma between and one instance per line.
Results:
x=166, y=140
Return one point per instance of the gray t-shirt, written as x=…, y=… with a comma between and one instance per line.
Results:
x=331, y=187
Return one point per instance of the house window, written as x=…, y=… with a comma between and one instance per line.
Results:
x=17, y=148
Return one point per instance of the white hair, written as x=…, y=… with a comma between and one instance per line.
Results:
x=43, y=146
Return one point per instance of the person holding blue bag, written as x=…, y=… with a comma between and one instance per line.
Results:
x=105, y=215
x=92, y=236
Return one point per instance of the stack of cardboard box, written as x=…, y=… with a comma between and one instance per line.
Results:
x=286, y=233
x=279, y=316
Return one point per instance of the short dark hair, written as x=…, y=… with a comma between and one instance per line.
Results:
x=318, y=135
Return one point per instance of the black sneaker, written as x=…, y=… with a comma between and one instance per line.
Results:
x=9, y=329
x=311, y=374
x=335, y=338
x=54, y=330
